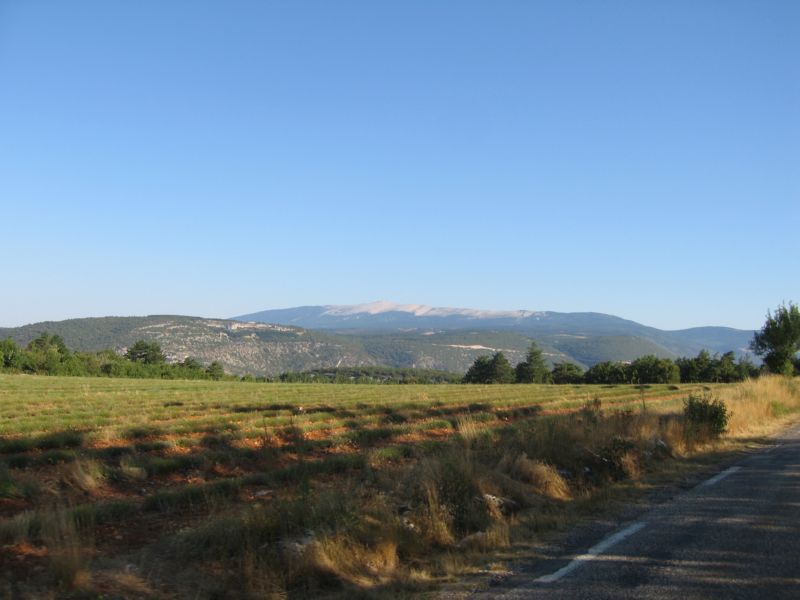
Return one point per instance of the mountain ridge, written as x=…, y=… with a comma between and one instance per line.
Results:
x=385, y=334
x=385, y=315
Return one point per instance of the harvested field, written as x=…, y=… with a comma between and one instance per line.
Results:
x=187, y=489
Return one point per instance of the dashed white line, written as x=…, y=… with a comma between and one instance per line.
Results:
x=719, y=477
x=592, y=553
x=610, y=541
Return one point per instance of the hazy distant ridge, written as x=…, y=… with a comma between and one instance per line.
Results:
x=389, y=316
x=383, y=333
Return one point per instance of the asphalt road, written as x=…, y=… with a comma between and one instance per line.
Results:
x=735, y=535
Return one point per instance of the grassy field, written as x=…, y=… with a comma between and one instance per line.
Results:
x=185, y=489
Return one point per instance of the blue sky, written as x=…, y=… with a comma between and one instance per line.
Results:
x=219, y=158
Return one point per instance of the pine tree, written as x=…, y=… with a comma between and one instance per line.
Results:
x=533, y=369
x=494, y=369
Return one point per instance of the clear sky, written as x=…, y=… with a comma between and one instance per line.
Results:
x=638, y=158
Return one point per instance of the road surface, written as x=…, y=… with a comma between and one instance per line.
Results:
x=736, y=535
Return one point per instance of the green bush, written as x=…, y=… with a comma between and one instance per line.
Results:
x=705, y=415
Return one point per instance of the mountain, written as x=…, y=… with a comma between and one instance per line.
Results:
x=591, y=336
x=256, y=348
x=269, y=349
x=385, y=334
x=388, y=315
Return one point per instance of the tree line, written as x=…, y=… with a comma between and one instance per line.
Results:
x=49, y=355
x=371, y=374
x=778, y=342
x=646, y=369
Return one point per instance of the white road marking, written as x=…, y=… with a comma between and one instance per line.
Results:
x=719, y=477
x=592, y=553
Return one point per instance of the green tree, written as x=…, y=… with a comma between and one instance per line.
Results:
x=10, y=354
x=502, y=371
x=479, y=371
x=726, y=371
x=606, y=372
x=746, y=368
x=46, y=355
x=706, y=369
x=565, y=372
x=651, y=369
x=191, y=364
x=533, y=369
x=215, y=371
x=701, y=368
x=779, y=339
x=494, y=369
x=145, y=352
x=47, y=342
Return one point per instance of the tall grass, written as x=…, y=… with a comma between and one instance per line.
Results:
x=365, y=492
x=757, y=403
x=69, y=550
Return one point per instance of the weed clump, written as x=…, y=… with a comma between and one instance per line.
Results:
x=84, y=475
x=453, y=497
x=705, y=417
x=68, y=550
x=545, y=479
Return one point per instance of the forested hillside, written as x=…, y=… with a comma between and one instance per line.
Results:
x=265, y=349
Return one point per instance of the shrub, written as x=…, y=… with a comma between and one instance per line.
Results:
x=705, y=415
x=448, y=486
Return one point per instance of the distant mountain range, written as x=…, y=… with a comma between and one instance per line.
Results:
x=384, y=316
x=383, y=333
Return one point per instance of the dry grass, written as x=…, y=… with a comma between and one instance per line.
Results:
x=362, y=565
x=126, y=584
x=130, y=470
x=434, y=520
x=543, y=468
x=673, y=434
x=495, y=537
x=85, y=475
x=631, y=464
x=468, y=430
x=69, y=551
x=544, y=479
x=757, y=404
x=362, y=515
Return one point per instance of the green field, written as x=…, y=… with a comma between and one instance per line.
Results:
x=108, y=407
x=98, y=474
